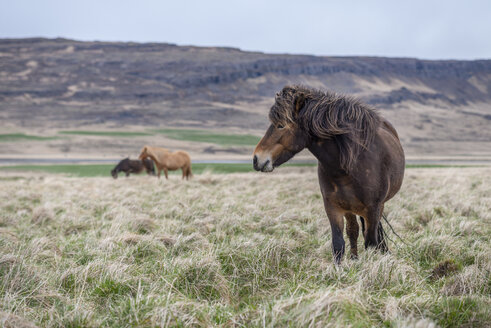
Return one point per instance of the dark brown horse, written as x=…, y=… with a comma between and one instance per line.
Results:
x=133, y=166
x=361, y=161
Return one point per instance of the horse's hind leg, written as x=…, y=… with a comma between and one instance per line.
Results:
x=184, y=169
x=382, y=245
x=371, y=231
x=352, y=230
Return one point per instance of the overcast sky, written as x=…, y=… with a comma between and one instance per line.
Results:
x=418, y=28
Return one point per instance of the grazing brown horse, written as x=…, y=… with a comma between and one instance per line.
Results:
x=133, y=166
x=361, y=161
x=168, y=161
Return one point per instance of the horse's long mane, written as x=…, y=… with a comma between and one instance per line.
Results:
x=327, y=115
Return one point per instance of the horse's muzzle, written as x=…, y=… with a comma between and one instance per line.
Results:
x=263, y=166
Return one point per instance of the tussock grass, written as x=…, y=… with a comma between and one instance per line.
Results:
x=239, y=250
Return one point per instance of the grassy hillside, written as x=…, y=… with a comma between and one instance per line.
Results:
x=7, y=137
x=210, y=137
x=238, y=250
x=105, y=133
x=194, y=135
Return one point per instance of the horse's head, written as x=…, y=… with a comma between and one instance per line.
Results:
x=148, y=163
x=144, y=153
x=114, y=173
x=284, y=137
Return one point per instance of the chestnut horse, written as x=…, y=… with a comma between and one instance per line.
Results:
x=360, y=158
x=168, y=161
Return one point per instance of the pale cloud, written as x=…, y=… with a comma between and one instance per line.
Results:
x=424, y=29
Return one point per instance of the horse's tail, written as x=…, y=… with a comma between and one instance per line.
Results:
x=189, y=174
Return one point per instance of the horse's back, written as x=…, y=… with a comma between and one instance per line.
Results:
x=387, y=125
x=184, y=155
x=158, y=153
x=159, y=150
x=181, y=158
x=123, y=164
x=136, y=165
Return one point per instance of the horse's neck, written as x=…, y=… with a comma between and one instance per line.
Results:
x=327, y=153
x=163, y=158
x=153, y=157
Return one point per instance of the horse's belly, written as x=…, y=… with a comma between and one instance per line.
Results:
x=344, y=198
x=351, y=205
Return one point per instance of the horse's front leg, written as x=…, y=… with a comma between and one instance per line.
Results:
x=352, y=230
x=165, y=172
x=336, y=220
x=374, y=236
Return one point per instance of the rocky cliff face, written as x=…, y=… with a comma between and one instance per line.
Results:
x=47, y=68
x=57, y=82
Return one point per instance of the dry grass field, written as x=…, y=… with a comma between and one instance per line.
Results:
x=238, y=250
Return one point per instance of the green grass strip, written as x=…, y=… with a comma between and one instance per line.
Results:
x=21, y=136
x=210, y=137
x=106, y=133
x=437, y=166
x=95, y=170
x=88, y=170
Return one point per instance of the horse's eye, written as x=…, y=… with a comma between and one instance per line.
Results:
x=280, y=126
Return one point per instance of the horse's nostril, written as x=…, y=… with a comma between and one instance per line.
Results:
x=255, y=163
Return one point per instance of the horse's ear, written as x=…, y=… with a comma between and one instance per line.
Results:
x=299, y=102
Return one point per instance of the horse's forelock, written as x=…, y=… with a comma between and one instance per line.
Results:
x=282, y=112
